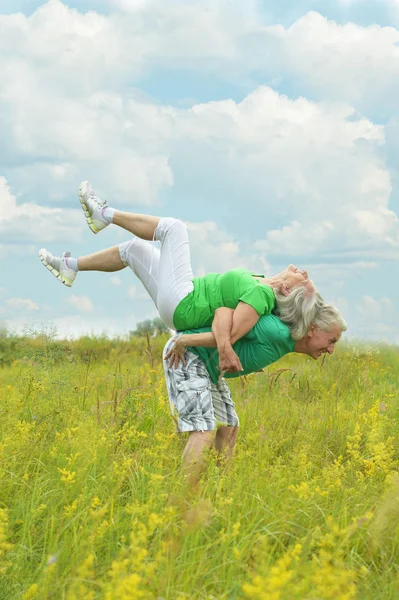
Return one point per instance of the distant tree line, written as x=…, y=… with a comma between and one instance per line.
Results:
x=152, y=327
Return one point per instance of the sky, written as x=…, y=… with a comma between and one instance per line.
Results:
x=271, y=129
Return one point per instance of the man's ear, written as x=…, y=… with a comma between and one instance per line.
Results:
x=285, y=290
x=311, y=330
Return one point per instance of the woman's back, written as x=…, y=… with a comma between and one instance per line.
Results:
x=214, y=290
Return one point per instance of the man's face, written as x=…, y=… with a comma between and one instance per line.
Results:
x=320, y=342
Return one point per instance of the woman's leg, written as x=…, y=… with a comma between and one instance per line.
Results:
x=165, y=272
x=149, y=263
x=142, y=257
x=168, y=269
x=175, y=276
x=65, y=267
x=108, y=261
x=143, y=226
x=99, y=215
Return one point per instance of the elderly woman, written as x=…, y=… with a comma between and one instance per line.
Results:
x=185, y=302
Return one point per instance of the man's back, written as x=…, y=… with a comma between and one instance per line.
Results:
x=266, y=343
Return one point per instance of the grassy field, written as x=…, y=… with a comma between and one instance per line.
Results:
x=92, y=504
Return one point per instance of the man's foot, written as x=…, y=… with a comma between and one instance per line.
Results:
x=58, y=266
x=93, y=207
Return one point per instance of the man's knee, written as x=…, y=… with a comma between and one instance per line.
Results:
x=201, y=437
x=198, y=442
x=227, y=433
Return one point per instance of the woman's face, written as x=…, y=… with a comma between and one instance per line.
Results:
x=294, y=277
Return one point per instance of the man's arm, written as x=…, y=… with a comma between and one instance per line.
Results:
x=176, y=353
x=206, y=340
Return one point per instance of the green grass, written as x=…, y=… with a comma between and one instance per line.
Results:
x=92, y=504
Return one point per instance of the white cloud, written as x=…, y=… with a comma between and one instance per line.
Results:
x=307, y=170
x=376, y=319
x=331, y=277
x=31, y=222
x=351, y=62
x=213, y=250
x=342, y=61
x=21, y=304
x=81, y=303
x=130, y=5
x=371, y=308
x=59, y=115
x=116, y=280
x=316, y=166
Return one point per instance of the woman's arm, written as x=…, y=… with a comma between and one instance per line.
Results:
x=244, y=318
x=221, y=328
x=229, y=325
x=222, y=325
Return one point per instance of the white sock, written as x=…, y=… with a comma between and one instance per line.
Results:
x=72, y=263
x=107, y=214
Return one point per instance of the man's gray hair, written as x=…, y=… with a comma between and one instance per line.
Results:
x=327, y=316
x=298, y=310
x=301, y=309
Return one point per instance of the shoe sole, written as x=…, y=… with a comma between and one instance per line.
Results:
x=54, y=271
x=89, y=220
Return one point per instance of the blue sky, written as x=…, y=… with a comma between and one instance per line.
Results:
x=271, y=128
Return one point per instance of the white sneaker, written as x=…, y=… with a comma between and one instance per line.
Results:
x=92, y=207
x=57, y=266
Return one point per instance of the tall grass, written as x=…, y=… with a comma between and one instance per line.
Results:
x=92, y=504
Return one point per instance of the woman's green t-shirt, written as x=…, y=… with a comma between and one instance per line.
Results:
x=197, y=309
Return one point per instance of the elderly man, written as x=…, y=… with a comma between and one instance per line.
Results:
x=201, y=399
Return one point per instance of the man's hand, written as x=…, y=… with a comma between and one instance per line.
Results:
x=176, y=353
x=228, y=360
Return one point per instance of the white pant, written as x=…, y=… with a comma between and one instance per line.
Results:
x=165, y=272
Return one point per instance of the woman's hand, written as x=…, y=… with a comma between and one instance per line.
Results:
x=229, y=361
x=176, y=353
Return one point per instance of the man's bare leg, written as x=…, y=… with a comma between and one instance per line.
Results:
x=225, y=441
x=108, y=260
x=193, y=455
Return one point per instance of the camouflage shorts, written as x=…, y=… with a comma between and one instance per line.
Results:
x=197, y=404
